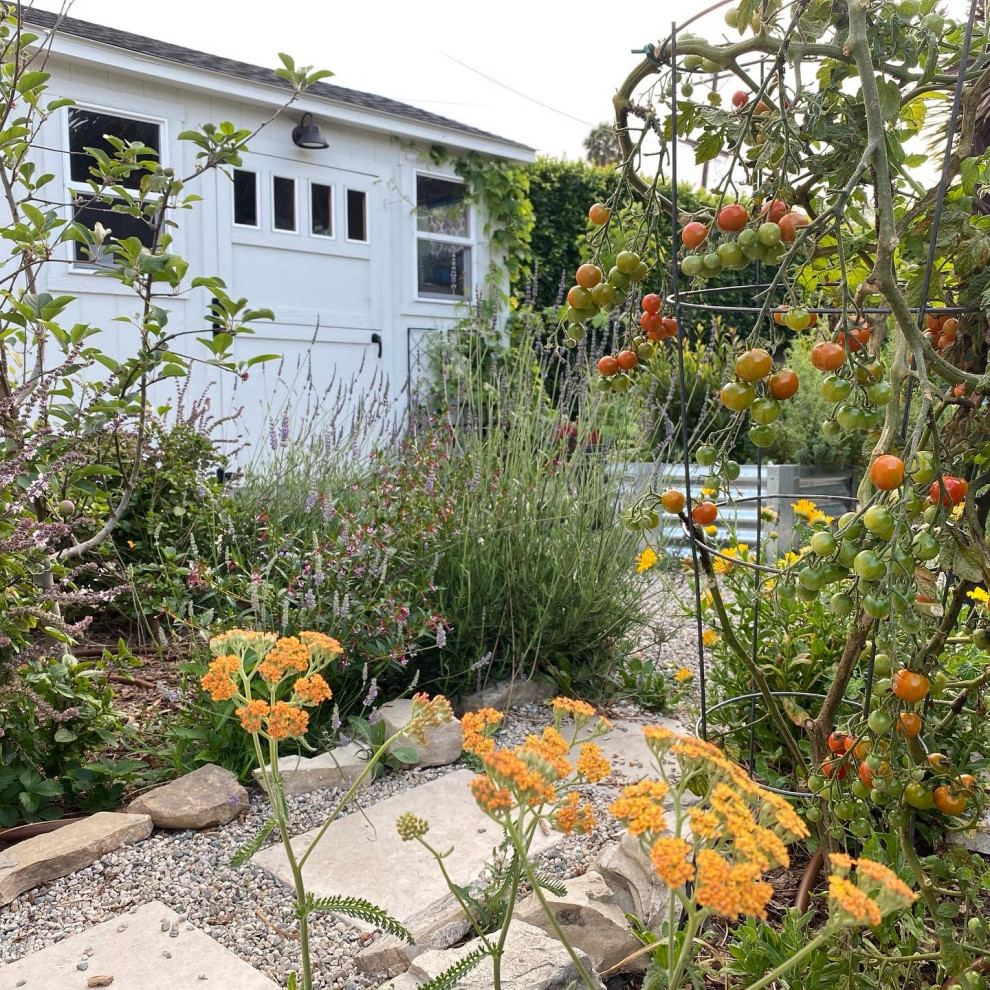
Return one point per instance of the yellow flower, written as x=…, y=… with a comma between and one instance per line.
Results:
x=708, y=492
x=592, y=763
x=647, y=559
x=131, y=544
x=683, y=675
x=711, y=530
x=709, y=637
x=286, y=721
x=804, y=507
x=979, y=595
x=252, y=714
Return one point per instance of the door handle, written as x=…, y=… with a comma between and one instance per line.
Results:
x=376, y=338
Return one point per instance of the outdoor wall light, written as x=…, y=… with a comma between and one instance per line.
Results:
x=307, y=134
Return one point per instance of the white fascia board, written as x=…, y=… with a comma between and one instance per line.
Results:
x=192, y=77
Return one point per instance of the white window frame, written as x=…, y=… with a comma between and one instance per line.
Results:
x=367, y=216
x=73, y=188
x=257, y=200
x=332, y=186
x=469, y=242
x=295, y=204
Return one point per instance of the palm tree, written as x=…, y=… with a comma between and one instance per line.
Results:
x=601, y=146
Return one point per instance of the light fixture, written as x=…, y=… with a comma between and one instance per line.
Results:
x=307, y=134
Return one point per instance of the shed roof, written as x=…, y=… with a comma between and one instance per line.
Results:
x=254, y=73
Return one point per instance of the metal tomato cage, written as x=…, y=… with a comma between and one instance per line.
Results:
x=695, y=301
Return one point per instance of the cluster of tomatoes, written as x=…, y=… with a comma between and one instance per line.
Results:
x=760, y=390
x=743, y=238
x=645, y=516
x=854, y=381
x=876, y=765
x=941, y=330
x=656, y=327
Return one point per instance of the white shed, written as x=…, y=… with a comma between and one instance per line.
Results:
x=353, y=246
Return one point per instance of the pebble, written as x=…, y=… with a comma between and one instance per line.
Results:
x=191, y=873
x=83, y=966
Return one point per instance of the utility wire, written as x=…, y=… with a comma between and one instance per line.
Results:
x=546, y=106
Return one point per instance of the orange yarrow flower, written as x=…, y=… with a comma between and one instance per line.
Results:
x=728, y=889
x=852, y=905
x=251, y=715
x=312, y=690
x=490, y=796
x=592, y=763
x=477, y=727
x=286, y=721
x=427, y=713
x=570, y=706
x=321, y=643
x=669, y=856
x=287, y=654
x=218, y=681
x=640, y=807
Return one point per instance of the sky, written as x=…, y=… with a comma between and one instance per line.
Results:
x=435, y=55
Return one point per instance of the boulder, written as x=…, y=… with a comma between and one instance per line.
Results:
x=438, y=926
x=629, y=874
x=500, y=696
x=337, y=768
x=444, y=743
x=73, y=847
x=208, y=796
x=531, y=961
x=590, y=919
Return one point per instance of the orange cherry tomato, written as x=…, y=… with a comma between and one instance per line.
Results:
x=754, y=364
x=837, y=742
x=909, y=685
x=828, y=356
x=599, y=213
x=693, y=234
x=950, y=327
x=651, y=303
x=909, y=724
x=673, y=501
x=704, y=513
x=949, y=801
x=588, y=276
x=887, y=472
x=608, y=366
x=866, y=774
x=669, y=326
x=651, y=321
x=777, y=209
x=783, y=384
x=790, y=223
x=627, y=360
x=732, y=218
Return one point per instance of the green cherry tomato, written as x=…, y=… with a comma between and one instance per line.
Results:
x=925, y=546
x=815, y=783
x=860, y=789
x=764, y=411
x=918, y=796
x=844, y=810
x=880, y=521
x=831, y=429
x=706, y=455
x=813, y=814
x=840, y=604
x=880, y=393
x=881, y=665
x=692, y=266
x=768, y=234
x=762, y=436
x=879, y=722
x=921, y=467
x=869, y=566
x=876, y=607
x=823, y=544
x=626, y=262
x=860, y=827
x=881, y=687
x=981, y=639
x=835, y=389
x=732, y=470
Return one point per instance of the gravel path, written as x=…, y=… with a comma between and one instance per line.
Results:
x=246, y=909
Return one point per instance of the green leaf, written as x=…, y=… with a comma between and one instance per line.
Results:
x=404, y=754
x=890, y=99
x=32, y=80
x=65, y=736
x=450, y=977
x=355, y=907
x=249, y=849
x=708, y=147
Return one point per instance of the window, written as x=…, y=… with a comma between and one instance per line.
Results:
x=283, y=203
x=245, y=198
x=90, y=128
x=89, y=131
x=321, y=210
x=357, y=215
x=443, y=238
x=93, y=210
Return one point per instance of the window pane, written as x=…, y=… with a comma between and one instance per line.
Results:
x=440, y=206
x=86, y=130
x=284, y=198
x=120, y=225
x=322, y=210
x=357, y=215
x=444, y=269
x=245, y=198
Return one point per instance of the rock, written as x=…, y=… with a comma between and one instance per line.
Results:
x=135, y=959
x=590, y=919
x=403, y=982
x=444, y=743
x=208, y=796
x=438, y=926
x=531, y=961
x=338, y=768
x=66, y=850
x=976, y=839
x=517, y=692
x=628, y=873
x=361, y=853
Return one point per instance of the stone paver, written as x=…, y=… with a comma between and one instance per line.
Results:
x=625, y=747
x=73, y=847
x=140, y=952
x=362, y=854
x=339, y=767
